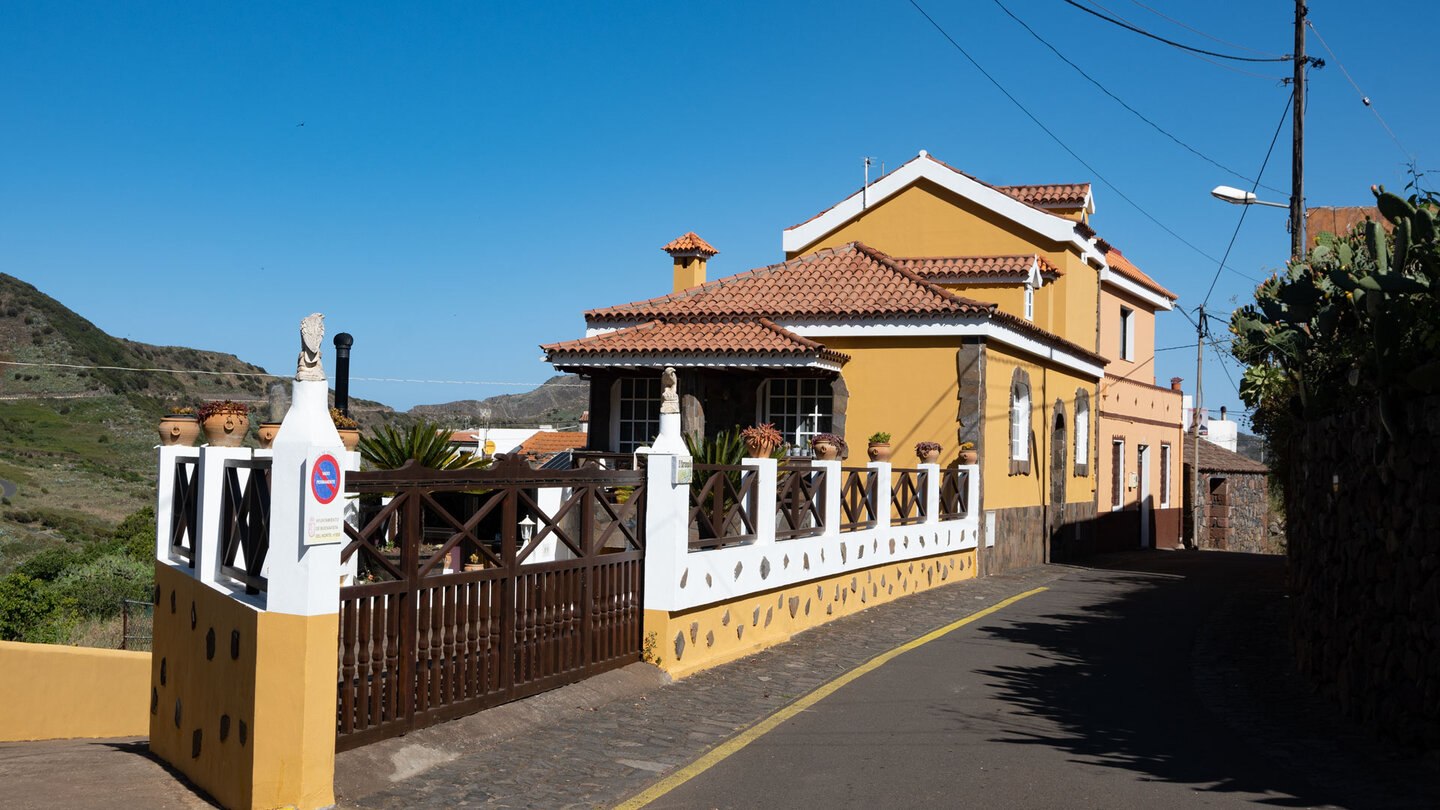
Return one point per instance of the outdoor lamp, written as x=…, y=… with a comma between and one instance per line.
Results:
x=1236, y=196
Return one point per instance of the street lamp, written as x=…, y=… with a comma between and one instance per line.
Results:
x=1236, y=196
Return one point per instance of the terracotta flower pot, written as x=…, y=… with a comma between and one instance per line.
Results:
x=226, y=429
x=930, y=457
x=759, y=448
x=879, y=451
x=968, y=457
x=825, y=451
x=266, y=432
x=178, y=428
x=350, y=437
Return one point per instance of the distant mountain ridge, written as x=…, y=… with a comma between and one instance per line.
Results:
x=559, y=401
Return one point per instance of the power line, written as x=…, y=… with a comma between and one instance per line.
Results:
x=1173, y=43
x=1201, y=33
x=1244, y=209
x=1122, y=103
x=1056, y=138
x=1363, y=98
x=281, y=376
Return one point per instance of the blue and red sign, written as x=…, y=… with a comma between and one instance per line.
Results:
x=325, y=478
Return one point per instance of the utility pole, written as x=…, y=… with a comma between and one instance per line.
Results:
x=1196, y=505
x=1297, y=151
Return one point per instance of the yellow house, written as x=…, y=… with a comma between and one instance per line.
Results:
x=929, y=305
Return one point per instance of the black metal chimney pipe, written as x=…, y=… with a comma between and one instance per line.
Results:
x=343, y=342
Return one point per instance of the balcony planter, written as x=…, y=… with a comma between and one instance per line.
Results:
x=928, y=452
x=349, y=437
x=224, y=423
x=879, y=449
x=266, y=433
x=348, y=428
x=179, y=429
x=761, y=440
x=968, y=455
x=827, y=446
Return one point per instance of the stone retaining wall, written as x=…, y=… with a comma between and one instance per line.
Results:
x=1363, y=566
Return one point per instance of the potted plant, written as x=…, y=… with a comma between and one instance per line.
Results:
x=968, y=454
x=266, y=433
x=879, y=446
x=348, y=428
x=827, y=446
x=761, y=440
x=928, y=452
x=179, y=427
x=224, y=422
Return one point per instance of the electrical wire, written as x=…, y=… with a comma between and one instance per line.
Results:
x=1277, y=79
x=1201, y=33
x=1245, y=208
x=1056, y=138
x=282, y=376
x=1122, y=103
x=1363, y=98
x=1173, y=43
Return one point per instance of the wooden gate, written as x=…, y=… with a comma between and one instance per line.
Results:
x=454, y=611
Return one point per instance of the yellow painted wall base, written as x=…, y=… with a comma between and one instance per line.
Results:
x=242, y=701
x=48, y=692
x=689, y=641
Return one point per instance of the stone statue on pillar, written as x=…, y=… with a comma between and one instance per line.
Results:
x=312, y=336
x=669, y=399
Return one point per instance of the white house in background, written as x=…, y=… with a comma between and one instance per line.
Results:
x=1224, y=432
x=505, y=440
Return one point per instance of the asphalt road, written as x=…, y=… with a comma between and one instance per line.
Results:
x=1112, y=689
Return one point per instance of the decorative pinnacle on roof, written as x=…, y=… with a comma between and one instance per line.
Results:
x=690, y=245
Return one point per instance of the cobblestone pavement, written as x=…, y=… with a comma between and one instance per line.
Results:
x=598, y=758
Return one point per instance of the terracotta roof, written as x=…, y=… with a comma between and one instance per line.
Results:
x=549, y=442
x=690, y=242
x=729, y=339
x=850, y=281
x=463, y=437
x=932, y=268
x=1059, y=195
x=1122, y=265
x=1214, y=458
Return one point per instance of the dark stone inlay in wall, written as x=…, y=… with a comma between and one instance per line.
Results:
x=764, y=567
x=194, y=619
x=157, y=596
x=679, y=645
x=195, y=744
x=224, y=727
x=163, y=667
x=154, y=700
x=177, y=712
x=234, y=644
x=244, y=732
x=210, y=645
x=172, y=601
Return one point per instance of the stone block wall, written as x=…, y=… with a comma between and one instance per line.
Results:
x=1238, y=520
x=1364, y=518
x=1019, y=540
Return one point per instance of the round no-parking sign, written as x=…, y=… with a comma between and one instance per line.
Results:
x=325, y=478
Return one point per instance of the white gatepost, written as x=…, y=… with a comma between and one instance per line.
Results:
x=834, y=482
x=165, y=500
x=880, y=474
x=667, y=531
x=764, y=513
x=930, y=497
x=303, y=579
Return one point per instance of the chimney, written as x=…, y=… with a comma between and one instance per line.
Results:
x=1222, y=413
x=1175, y=383
x=690, y=253
x=585, y=422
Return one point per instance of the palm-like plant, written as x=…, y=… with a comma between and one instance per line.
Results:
x=428, y=443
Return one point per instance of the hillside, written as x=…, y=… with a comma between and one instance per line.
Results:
x=559, y=401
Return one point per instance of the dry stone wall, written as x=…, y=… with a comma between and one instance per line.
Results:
x=1364, y=548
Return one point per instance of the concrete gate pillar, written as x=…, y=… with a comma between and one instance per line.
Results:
x=243, y=685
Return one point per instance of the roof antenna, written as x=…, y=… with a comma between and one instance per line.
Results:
x=869, y=161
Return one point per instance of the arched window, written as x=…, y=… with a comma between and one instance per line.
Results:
x=1020, y=423
x=1082, y=432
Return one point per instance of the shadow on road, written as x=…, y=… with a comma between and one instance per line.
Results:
x=1175, y=666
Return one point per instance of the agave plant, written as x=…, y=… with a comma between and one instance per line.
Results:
x=427, y=443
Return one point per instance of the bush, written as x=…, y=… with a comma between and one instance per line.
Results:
x=50, y=564
x=32, y=610
x=95, y=588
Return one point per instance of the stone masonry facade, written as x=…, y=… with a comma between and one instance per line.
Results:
x=1236, y=513
x=1364, y=518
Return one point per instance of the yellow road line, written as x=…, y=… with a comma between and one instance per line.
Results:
x=755, y=732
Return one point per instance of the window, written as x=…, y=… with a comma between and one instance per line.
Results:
x=1127, y=333
x=800, y=409
x=1082, y=432
x=1164, y=475
x=1029, y=301
x=1020, y=423
x=1117, y=473
x=637, y=412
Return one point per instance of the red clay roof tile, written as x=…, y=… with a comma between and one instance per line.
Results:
x=549, y=442
x=1057, y=195
x=934, y=267
x=690, y=243
x=1123, y=266
x=732, y=339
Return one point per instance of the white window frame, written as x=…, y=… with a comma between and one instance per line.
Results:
x=809, y=418
x=1117, y=474
x=1082, y=433
x=1019, y=426
x=1127, y=333
x=649, y=426
x=1164, y=476
x=1029, y=301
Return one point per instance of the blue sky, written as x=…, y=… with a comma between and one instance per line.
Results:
x=469, y=177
